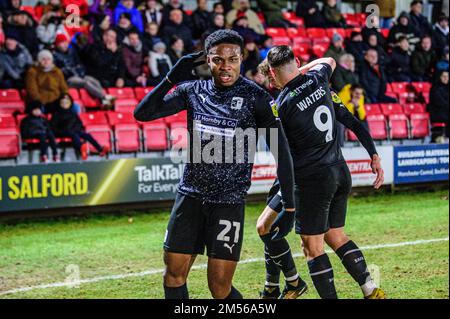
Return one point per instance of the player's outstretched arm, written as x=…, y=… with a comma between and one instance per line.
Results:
x=157, y=103
x=330, y=61
x=344, y=116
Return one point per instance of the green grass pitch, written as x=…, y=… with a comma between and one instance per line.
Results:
x=48, y=252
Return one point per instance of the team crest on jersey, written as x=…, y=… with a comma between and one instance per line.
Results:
x=274, y=106
x=336, y=98
x=236, y=103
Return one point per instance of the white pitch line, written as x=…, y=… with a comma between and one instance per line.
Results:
x=202, y=266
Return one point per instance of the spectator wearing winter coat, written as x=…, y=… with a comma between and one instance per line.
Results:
x=124, y=27
x=133, y=57
x=176, y=26
x=372, y=42
x=273, y=13
x=309, y=11
x=418, y=20
x=66, y=123
x=336, y=49
x=439, y=106
x=14, y=62
x=218, y=23
x=242, y=8
x=423, y=60
x=404, y=28
x=357, y=47
x=175, y=5
x=344, y=76
x=440, y=34
x=176, y=49
x=201, y=19
x=127, y=6
x=241, y=26
x=332, y=15
x=45, y=82
x=372, y=77
x=400, y=62
x=152, y=12
x=374, y=28
x=21, y=23
x=67, y=59
x=387, y=12
x=150, y=36
x=159, y=62
x=102, y=22
x=105, y=61
x=101, y=8
x=252, y=57
x=36, y=126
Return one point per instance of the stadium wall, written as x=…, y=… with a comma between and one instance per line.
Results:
x=88, y=184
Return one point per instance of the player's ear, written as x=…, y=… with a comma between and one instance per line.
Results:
x=299, y=63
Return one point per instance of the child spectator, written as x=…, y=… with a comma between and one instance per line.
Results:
x=159, y=62
x=36, y=126
x=66, y=123
x=152, y=12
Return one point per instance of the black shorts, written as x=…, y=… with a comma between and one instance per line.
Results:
x=195, y=225
x=321, y=200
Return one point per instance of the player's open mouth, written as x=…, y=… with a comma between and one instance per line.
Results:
x=225, y=77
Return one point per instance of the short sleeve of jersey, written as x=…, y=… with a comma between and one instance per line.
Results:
x=322, y=71
x=266, y=111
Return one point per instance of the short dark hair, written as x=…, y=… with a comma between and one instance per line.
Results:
x=401, y=39
x=355, y=87
x=280, y=55
x=416, y=2
x=223, y=37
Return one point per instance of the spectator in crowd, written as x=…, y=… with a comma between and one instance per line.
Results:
x=309, y=11
x=267, y=44
x=442, y=64
x=101, y=8
x=357, y=47
x=332, y=15
x=344, y=76
x=404, y=28
x=102, y=22
x=387, y=12
x=159, y=63
x=218, y=23
x=36, y=126
x=124, y=27
x=227, y=5
x=106, y=62
x=14, y=62
x=175, y=5
x=152, y=12
x=45, y=82
x=127, y=6
x=241, y=26
x=201, y=19
x=21, y=23
x=150, y=36
x=372, y=77
x=134, y=56
x=67, y=59
x=176, y=49
x=81, y=4
x=400, y=62
x=176, y=26
x=440, y=34
x=423, y=61
x=374, y=28
x=251, y=57
x=418, y=20
x=50, y=25
x=439, y=107
x=218, y=8
x=383, y=58
x=273, y=13
x=242, y=8
x=356, y=104
x=53, y=6
x=336, y=49
x=66, y=123
x=13, y=5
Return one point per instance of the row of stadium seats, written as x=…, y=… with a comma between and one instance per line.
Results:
x=119, y=131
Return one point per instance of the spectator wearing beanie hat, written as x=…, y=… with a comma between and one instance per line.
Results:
x=67, y=59
x=14, y=62
x=159, y=62
x=336, y=49
x=45, y=82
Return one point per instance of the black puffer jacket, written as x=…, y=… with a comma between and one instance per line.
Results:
x=31, y=126
x=64, y=121
x=438, y=106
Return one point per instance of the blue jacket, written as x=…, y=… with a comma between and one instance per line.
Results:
x=136, y=17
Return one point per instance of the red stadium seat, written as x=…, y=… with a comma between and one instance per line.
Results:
x=179, y=135
x=7, y=121
x=88, y=100
x=122, y=93
x=385, y=32
x=316, y=33
x=373, y=109
x=422, y=86
x=282, y=41
x=74, y=94
x=319, y=50
x=10, y=107
x=102, y=133
x=398, y=125
x=323, y=40
x=176, y=118
x=332, y=31
x=406, y=97
x=420, y=125
x=140, y=92
x=276, y=32
x=125, y=106
x=391, y=108
x=10, y=143
x=301, y=49
x=97, y=118
x=351, y=136
x=411, y=108
x=9, y=95
x=128, y=138
x=296, y=32
x=426, y=97
x=393, y=95
x=155, y=137
x=377, y=126
x=289, y=15
x=120, y=118
x=300, y=41
x=399, y=87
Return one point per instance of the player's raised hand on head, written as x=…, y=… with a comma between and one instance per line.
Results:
x=283, y=224
x=378, y=170
x=182, y=70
